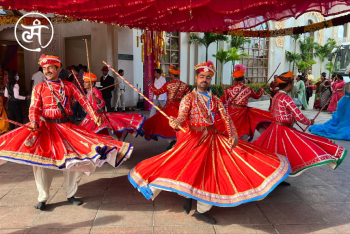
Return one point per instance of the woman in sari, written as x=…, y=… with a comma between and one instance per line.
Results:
x=338, y=87
x=299, y=91
x=325, y=94
x=320, y=84
x=308, y=88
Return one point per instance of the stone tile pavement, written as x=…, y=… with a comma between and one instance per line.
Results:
x=318, y=201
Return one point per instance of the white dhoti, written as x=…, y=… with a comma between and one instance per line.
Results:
x=202, y=207
x=119, y=97
x=43, y=179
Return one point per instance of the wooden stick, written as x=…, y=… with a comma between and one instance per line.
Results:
x=16, y=123
x=262, y=89
x=319, y=112
x=87, y=100
x=109, y=86
x=141, y=94
x=87, y=55
x=273, y=73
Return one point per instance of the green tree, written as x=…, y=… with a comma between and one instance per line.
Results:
x=307, y=47
x=322, y=52
x=330, y=67
x=292, y=58
x=229, y=55
x=238, y=42
x=206, y=40
x=304, y=65
x=296, y=37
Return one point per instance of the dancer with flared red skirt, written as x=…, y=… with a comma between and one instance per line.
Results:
x=158, y=125
x=302, y=150
x=206, y=165
x=120, y=124
x=51, y=142
x=246, y=119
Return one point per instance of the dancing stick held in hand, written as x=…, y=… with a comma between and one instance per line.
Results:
x=273, y=73
x=319, y=112
x=141, y=94
x=262, y=89
x=16, y=123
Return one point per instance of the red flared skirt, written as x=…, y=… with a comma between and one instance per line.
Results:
x=62, y=146
x=158, y=124
x=205, y=168
x=302, y=150
x=116, y=122
x=247, y=120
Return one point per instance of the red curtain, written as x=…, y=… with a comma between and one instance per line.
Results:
x=10, y=58
x=182, y=15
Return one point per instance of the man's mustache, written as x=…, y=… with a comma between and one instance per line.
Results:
x=204, y=82
x=49, y=73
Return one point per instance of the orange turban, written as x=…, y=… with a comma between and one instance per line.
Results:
x=174, y=70
x=87, y=77
x=239, y=71
x=49, y=59
x=206, y=67
x=285, y=77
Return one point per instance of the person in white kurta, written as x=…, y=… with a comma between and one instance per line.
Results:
x=119, y=92
x=159, y=100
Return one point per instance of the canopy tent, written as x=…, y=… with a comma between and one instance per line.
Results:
x=181, y=15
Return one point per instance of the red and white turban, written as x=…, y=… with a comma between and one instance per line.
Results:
x=49, y=59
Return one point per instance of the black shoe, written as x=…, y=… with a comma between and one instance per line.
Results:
x=75, y=201
x=187, y=205
x=123, y=111
x=204, y=218
x=283, y=183
x=171, y=145
x=40, y=206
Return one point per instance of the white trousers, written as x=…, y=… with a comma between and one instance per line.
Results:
x=202, y=207
x=156, y=102
x=43, y=179
x=119, y=97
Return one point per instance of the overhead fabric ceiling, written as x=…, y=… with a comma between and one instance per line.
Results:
x=181, y=15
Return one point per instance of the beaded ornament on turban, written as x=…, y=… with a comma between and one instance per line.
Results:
x=239, y=71
x=49, y=59
x=174, y=70
x=206, y=67
x=285, y=77
x=87, y=77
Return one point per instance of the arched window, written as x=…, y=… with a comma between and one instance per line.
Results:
x=258, y=61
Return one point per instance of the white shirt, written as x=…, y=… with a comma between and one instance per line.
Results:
x=15, y=93
x=158, y=83
x=38, y=77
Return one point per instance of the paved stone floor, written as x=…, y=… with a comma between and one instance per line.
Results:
x=317, y=201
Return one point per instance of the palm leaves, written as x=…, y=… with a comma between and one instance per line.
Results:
x=229, y=55
x=330, y=67
x=238, y=41
x=303, y=65
x=292, y=57
x=323, y=51
x=206, y=40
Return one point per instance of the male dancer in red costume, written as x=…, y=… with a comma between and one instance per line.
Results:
x=246, y=119
x=54, y=142
x=205, y=164
x=302, y=150
x=158, y=125
x=119, y=123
